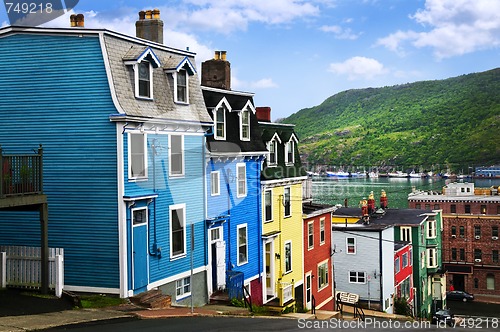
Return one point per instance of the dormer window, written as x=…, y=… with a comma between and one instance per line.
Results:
x=180, y=75
x=143, y=60
x=219, y=113
x=182, y=88
x=245, y=125
x=272, y=147
x=145, y=88
x=290, y=150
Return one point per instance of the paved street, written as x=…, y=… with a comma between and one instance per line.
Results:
x=476, y=309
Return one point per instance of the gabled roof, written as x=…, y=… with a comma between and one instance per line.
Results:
x=138, y=53
x=184, y=64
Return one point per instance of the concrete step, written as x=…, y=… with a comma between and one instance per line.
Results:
x=153, y=299
x=326, y=315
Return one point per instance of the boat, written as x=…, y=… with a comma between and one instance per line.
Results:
x=414, y=174
x=373, y=174
x=398, y=174
x=339, y=175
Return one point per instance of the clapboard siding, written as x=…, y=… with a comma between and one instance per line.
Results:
x=54, y=91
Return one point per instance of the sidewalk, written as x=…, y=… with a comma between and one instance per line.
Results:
x=495, y=299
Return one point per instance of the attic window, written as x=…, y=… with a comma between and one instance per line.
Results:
x=290, y=150
x=145, y=86
x=245, y=125
x=143, y=60
x=180, y=74
x=273, y=153
x=182, y=95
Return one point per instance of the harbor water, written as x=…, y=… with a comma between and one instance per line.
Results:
x=337, y=191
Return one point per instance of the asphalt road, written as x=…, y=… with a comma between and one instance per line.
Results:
x=475, y=309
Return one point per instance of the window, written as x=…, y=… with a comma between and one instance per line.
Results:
x=322, y=231
x=494, y=231
x=436, y=206
x=397, y=265
x=432, y=258
x=406, y=234
x=139, y=216
x=322, y=275
x=215, y=183
x=498, y=209
x=494, y=256
x=422, y=233
x=476, y=283
x=422, y=259
x=290, y=152
x=477, y=230
x=177, y=230
x=410, y=255
x=183, y=288
x=453, y=208
x=454, y=230
x=356, y=277
x=182, y=86
x=483, y=209
x=137, y=156
x=453, y=254
x=273, y=153
x=241, y=175
x=462, y=254
x=220, y=122
x=245, y=125
x=467, y=208
x=176, y=157
x=427, y=206
x=404, y=260
x=242, y=245
x=418, y=206
x=431, y=229
x=310, y=235
x=215, y=234
x=462, y=231
x=144, y=87
x=478, y=254
x=268, y=202
x=287, y=202
x=351, y=245
x=490, y=282
x=288, y=256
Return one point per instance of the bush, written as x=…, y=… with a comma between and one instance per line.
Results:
x=401, y=307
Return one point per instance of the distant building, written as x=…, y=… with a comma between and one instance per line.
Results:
x=471, y=245
x=488, y=172
x=403, y=272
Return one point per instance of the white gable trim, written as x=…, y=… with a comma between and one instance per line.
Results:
x=147, y=53
x=276, y=137
x=224, y=101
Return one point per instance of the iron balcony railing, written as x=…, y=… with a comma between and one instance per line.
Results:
x=21, y=174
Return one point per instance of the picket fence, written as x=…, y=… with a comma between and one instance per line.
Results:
x=22, y=267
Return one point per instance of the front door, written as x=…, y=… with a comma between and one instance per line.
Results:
x=269, y=268
x=218, y=259
x=308, y=291
x=140, y=249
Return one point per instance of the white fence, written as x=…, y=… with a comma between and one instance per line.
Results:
x=22, y=267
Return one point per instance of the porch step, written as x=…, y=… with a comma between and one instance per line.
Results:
x=326, y=315
x=220, y=297
x=153, y=299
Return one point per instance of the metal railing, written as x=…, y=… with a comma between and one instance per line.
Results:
x=247, y=298
x=21, y=174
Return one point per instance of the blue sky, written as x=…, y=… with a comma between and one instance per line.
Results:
x=294, y=54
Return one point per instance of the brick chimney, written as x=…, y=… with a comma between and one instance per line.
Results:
x=149, y=26
x=263, y=114
x=77, y=20
x=216, y=73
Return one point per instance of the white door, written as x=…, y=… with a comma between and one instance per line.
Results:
x=308, y=291
x=269, y=265
x=220, y=253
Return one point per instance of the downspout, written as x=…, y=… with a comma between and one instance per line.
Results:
x=156, y=250
x=380, y=269
x=259, y=227
x=228, y=188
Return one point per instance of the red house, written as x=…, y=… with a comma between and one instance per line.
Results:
x=403, y=271
x=318, y=277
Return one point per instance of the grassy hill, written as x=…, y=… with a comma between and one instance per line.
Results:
x=452, y=123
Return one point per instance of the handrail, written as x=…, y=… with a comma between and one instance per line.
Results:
x=247, y=300
x=358, y=311
x=21, y=174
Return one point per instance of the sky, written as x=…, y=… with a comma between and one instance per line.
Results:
x=293, y=54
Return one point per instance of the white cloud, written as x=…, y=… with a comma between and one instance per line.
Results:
x=265, y=83
x=340, y=33
x=358, y=67
x=456, y=27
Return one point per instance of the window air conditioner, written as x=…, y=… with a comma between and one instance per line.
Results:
x=494, y=237
x=478, y=260
x=477, y=237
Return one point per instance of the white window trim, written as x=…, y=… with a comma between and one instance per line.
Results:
x=397, y=265
x=238, y=167
x=238, y=244
x=431, y=227
x=216, y=136
x=277, y=140
x=310, y=246
x=291, y=255
x=136, y=80
x=322, y=224
x=170, y=157
x=183, y=295
x=347, y=246
x=432, y=253
x=357, y=277
x=138, y=209
x=403, y=261
x=403, y=230
x=216, y=184
x=241, y=124
x=176, y=97
x=129, y=140
x=293, y=140
x=325, y=262
x=183, y=208
x=290, y=199
x=271, y=200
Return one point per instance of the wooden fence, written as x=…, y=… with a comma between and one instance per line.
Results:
x=22, y=267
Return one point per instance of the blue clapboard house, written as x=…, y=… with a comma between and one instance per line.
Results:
x=123, y=124
x=233, y=162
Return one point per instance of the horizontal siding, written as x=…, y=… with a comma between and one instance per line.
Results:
x=54, y=91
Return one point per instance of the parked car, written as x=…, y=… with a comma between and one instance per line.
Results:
x=459, y=296
x=443, y=315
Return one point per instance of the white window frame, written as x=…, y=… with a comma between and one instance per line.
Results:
x=173, y=175
x=347, y=246
x=423, y=259
x=324, y=264
x=403, y=260
x=238, y=244
x=216, y=122
x=137, y=79
x=289, y=190
x=273, y=142
x=215, y=183
x=405, y=233
x=397, y=265
x=242, y=125
x=270, y=191
x=431, y=229
x=288, y=243
x=181, y=207
x=180, y=285
x=142, y=223
x=176, y=86
x=145, y=156
x=358, y=276
x=290, y=145
x=432, y=258
x=322, y=233
x=310, y=235
x=241, y=190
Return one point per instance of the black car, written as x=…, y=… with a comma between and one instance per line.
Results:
x=443, y=315
x=459, y=296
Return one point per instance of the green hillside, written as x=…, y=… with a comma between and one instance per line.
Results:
x=453, y=122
